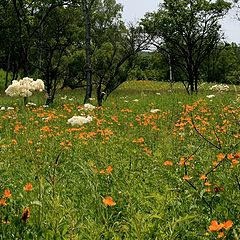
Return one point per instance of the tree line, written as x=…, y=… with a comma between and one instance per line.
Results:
x=222, y=66
x=86, y=44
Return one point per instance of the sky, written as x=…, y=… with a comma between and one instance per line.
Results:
x=134, y=10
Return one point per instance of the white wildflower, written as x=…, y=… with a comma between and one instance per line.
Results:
x=210, y=96
x=38, y=85
x=31, y=104
x=182, y=134
x=135, y=100
x=10, y=108
x=88, y=106
x=220, y=87
x=64, y=98
x=79, y=120
x=155, y=110
x=2, y=108
x=24, y=87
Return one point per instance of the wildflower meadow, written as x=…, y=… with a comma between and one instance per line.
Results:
x=151, y=163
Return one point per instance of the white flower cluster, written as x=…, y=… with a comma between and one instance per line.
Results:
x=79, y=120
x=155, y=110
x=88, y=106
x=24, y=87
x=31, y=104
x=220, y=87
x=210, y=96
x=8, y=108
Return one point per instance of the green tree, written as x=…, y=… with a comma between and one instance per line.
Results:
x=115, y=58
x=54, y=46
x=37, y=36
x=150, y=66
x=30, y=16
x=187, y=31
x=112, y=47
x=73, y=64
x=73, y=43
x=9, y=40
x=223, y=65
x=21, y=25
x=101, y=23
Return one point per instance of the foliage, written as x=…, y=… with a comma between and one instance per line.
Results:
x=56, y=43
x=115, y=59
x=3, y=78
x=223, y=65
x=150, y=66
x=186, y=31
x=57, y=40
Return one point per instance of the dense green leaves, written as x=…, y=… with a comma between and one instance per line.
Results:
x=48, y=40
x=187, y=31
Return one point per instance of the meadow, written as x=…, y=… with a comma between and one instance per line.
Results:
x=154, y=163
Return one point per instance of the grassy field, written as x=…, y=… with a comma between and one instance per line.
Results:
x=131, y=173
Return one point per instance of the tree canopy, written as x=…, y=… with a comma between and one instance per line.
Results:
x=86, y=44
x=187, y=31
x=77, y=43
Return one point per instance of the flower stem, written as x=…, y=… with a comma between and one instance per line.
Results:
x=25, y=101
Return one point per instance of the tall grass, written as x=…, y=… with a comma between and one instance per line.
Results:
x=169, y=174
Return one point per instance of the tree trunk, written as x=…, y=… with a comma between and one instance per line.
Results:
x=8, y=68
x=25, y=101
x=196, y=84
x=170, y=72
x=14, y=71
x=48, y=88
x=196, y=76
x=190, y=79
x=49, y=100
x=88, y=67
x=100, y=94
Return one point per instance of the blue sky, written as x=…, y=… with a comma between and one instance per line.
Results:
x=135, y=9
